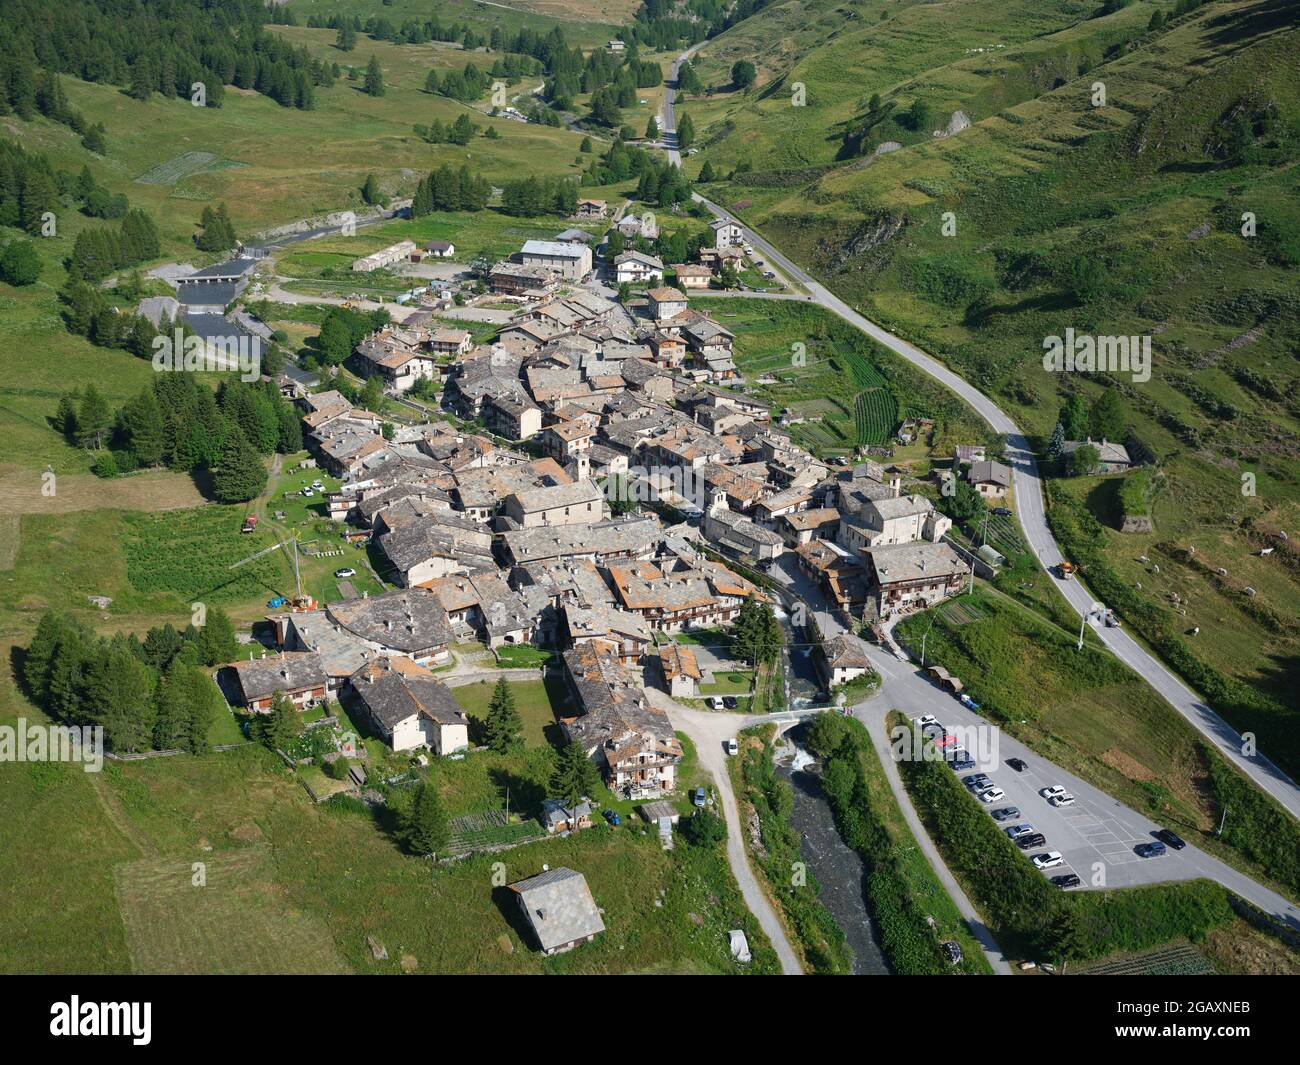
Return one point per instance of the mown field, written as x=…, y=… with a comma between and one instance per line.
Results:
x=294, y=887
x=488, y=233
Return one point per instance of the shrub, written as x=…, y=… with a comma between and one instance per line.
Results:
x=105, y=465
x=704, y=829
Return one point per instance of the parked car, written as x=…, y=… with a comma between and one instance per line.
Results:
x=612, y=816
x=1001, y=512
x=1029, y=842
x=1047, y=860
x=731, y=747
x=925, y=719
x=1016, y=831
x=1060, y=801
x=1170, y=839
x=318, y=485
x=1066, y=880
x=993, y=794
x=345, y=571
x=715, y=702
x=1006, y=813
x=1149, y=850
x=968, y=702
x=1049, y=792
x=697, y=797
x=730, y=702
x=1018, y=764
x=959, y=762
x=977, y=780
x=308, y=491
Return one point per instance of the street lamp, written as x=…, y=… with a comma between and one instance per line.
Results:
x=1093, y=611
x=926, y=636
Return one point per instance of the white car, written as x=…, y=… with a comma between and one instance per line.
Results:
x=733, y=748
x=1052, y=792
x=992, y=795
x=925, y=719
x=1048, y=860
x=308, y=492
x=715, y=702
x=1062, y=800
x=318, y=485
x=345, y=571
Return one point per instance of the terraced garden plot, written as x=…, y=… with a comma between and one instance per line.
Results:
x=962, y=613
x=184, y=165
x=491, y=828
x=875, y=416
x=1183, y=960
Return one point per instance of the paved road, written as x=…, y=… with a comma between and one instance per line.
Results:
x=708, y=731
x=1096, y=835
x=873, y=715
x=668, y=124
x=1031, y=513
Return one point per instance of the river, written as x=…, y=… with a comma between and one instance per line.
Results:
x=839, y=869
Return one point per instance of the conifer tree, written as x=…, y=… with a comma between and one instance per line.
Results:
x=426, y=829
x=240, y=474
x=502, y=724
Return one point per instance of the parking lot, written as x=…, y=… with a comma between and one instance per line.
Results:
x=1096, y=836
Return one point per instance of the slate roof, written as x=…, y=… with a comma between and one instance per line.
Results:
x=896, y=563
x=617, y=536
x=409, y=619
x=559, y=906
x=990, y=472
x=394, y=689
x=287, y=671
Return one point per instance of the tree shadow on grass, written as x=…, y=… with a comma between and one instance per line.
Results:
x=1104, y=503
x=526, y=795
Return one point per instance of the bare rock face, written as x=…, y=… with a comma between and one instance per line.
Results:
x=956, y=124
x=874, y=232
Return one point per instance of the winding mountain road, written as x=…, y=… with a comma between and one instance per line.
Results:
x=1031, y=510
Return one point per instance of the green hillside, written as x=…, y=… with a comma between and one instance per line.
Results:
x=1124, y=219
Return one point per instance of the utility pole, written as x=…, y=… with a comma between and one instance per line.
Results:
x=1096, y=608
